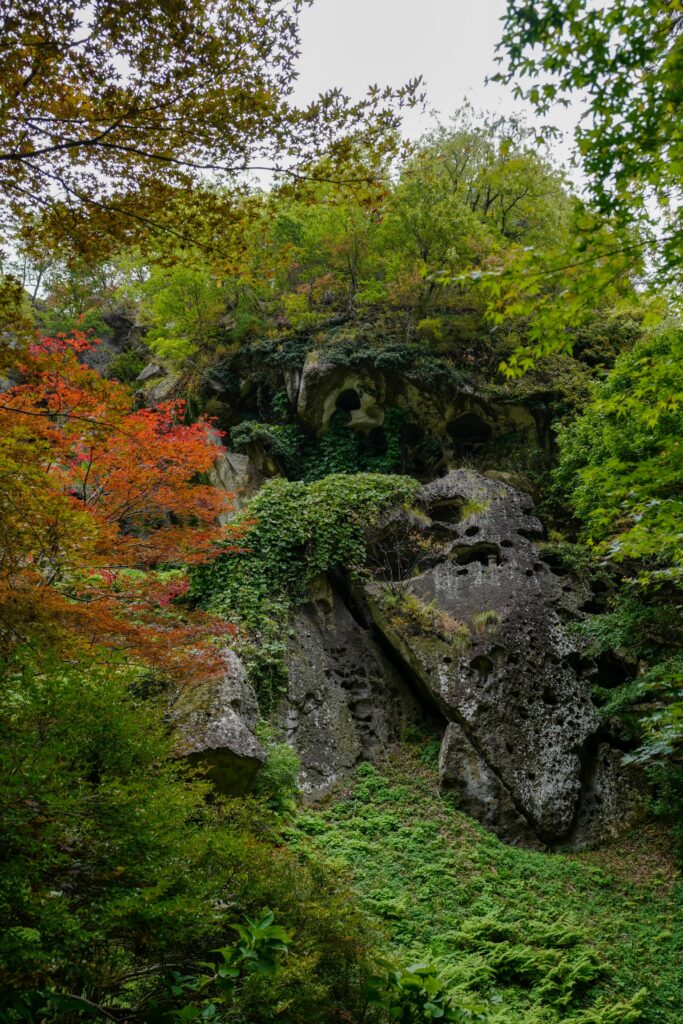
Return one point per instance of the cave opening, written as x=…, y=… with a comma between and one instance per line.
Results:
x=484, y=553
x=348, y=400
x=448, y=511
x=469, y=433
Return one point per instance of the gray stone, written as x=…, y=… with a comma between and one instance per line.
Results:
x=612, y=799
x=481, y=794
x=345, y=701
x=461, y=420
x=150, y=372
x=166, y=389
x=236, y=474
x=213, y=725
x=519, y=687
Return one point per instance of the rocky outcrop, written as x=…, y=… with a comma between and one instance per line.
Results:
x=237, y=475
x=521, y=749
x=158, y=385
x=463, y=422
x=213, y=726
x=345, y=700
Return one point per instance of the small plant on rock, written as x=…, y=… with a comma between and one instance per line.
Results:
x=484, y=621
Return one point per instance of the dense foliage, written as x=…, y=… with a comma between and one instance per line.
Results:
x=626, y=57
x=621, y=464
x=99, y=512
x=117, y=877
x=106, y=134
x=463, y=274
x=516, y=934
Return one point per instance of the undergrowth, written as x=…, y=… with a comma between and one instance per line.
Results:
x=588, y=938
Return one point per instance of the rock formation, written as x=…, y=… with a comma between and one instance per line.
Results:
x=523, y=749
x=345, y=700
x=213, y=726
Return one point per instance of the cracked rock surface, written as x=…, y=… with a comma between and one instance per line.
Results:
x=345, y=700
x=214, y=724
x=522, y=749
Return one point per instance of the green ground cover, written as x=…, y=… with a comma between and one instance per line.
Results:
x=562, y=938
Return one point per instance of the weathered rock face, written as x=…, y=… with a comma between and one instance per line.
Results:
x=345, y=700
x=521, y=751
x=237, y=475
x=463, y=422
x=213, y=725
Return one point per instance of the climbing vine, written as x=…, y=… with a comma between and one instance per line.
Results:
x=298, y=531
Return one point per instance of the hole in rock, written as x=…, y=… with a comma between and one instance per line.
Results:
x=471, y=531
x=556, y=564
x=469, y=433
x=549, y=697
x=446, y=511
x=348, y=400
x=482, y=664
x=506, y=544
x=581, y=663
x=613, y=670
x=483, y=553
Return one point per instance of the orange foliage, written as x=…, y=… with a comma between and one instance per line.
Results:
x=97, y=502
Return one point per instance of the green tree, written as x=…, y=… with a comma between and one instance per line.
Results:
x=623, y=459
x=626, y=58
x=107, y=132
x=624, y=61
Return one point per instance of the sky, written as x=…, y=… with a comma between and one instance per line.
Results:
x=354, y=43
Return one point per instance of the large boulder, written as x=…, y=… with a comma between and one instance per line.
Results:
x=345, y=700
x=213, y=726
x=490, y=648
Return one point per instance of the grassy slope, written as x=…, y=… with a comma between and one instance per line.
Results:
x=543, y=937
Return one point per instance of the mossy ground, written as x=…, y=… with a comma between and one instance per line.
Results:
x=541, y=938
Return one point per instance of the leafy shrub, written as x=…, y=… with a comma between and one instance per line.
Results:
x=415, y=994
x=115, y=870
x=340, y=449
x=126, y=366
x=276, y=782
x=299, y=531
x=621, y=463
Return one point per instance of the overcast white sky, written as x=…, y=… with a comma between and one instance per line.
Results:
x=353, y=43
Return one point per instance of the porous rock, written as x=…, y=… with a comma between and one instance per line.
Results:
x=345, y=701
x=236, y=474
x=213, y=724
x=518, y=689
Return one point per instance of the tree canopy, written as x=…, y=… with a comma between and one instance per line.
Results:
x=626, y=59
x=99, y=513
x=108, y=133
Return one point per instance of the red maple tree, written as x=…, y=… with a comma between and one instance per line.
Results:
x=101, y=509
